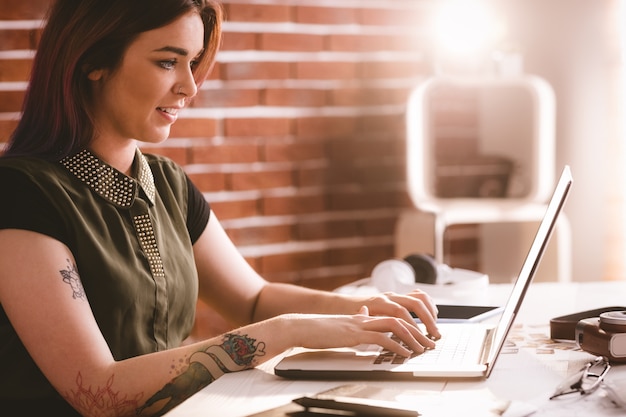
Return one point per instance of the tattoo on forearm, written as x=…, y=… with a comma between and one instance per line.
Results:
x=101, y=400
x=236, y=353
x=71, y=277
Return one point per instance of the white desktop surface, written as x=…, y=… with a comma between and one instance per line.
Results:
x=527, y=377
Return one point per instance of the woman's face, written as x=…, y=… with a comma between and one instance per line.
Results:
x=142, y=97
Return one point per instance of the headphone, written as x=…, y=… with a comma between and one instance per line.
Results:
x=395, y=274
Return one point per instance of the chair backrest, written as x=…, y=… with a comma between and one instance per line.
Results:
x=481, y=120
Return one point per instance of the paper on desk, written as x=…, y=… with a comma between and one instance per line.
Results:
x=596, y=405
x=466, y=403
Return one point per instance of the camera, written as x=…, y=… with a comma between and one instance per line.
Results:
x=604, y=335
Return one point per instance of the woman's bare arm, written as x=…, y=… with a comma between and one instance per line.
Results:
x=41, y=293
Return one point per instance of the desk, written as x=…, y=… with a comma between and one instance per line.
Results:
x=526, y=375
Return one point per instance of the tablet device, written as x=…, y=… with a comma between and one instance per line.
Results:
x=360, y=400
x=452, y=313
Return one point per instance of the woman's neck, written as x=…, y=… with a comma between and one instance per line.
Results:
x=119, y=156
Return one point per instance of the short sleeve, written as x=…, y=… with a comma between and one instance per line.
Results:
x=198, y=212
x=24, y=206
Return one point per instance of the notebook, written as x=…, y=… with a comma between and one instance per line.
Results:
x=466, y=350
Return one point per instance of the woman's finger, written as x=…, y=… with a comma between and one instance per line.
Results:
x=408, y=334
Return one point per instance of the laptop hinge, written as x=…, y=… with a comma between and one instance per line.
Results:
x=491, y=332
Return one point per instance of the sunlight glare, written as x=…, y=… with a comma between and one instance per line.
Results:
x=464, y=27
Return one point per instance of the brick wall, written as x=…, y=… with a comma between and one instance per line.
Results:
x=297, y=138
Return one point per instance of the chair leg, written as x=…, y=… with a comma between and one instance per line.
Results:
x=440, y=230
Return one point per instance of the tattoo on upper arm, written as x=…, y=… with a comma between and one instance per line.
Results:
x=236, y=353
x=71, y=277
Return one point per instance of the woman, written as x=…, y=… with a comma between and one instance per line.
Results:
x=104, y=251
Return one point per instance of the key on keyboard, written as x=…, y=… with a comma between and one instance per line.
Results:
x=456, y=345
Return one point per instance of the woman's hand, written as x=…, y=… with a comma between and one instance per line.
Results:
x=401, y=306
x=330, y=331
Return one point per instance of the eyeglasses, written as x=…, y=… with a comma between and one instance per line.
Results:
x=585, y=381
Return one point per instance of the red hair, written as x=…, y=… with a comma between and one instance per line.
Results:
x=81, y=36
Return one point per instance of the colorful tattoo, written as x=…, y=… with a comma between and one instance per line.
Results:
x=71, y=277
x=236, y=353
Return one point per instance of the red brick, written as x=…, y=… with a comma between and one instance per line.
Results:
x=175, y=153
x=255, y=70
x=321, y=70
x=365, y=43
x=193, y=128
x=327, y=230
x=313, y=177
x=326, y=126
x=11, y=101
x=325, y=15
x=291, y=42
x=367, y=176
x=330, y=283
x=384, y=226
x=368, y=96
x=358, y=200
x=347, y=96
x=15, y=69
x=6, y=129
x=24, y=9
x=394, y=123
x=235, y=209
x=387, y=69
x=345, y=42
x=209, y=181
x=226, y=97
x=225, y=154
x=295, y=97
x=292, y=262
x=369, y=255
x=298, y=151
x=17, y=39
x=261, y=235
x=239, y=41
x=257, y=13
x=257, y=127
x=216, y=72
x=276, y=206
x=208, y=323
x=393, y=17
x=261, y=180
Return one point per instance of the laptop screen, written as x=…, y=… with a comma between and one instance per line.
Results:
x=531, y=264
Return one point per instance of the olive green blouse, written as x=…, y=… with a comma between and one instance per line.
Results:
x=132, y=241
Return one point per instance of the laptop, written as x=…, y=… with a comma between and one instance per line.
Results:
x=466, y=350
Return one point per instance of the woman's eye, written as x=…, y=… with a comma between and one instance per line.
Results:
x=167, y=64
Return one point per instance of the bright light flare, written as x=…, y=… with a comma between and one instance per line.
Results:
x=464, y=27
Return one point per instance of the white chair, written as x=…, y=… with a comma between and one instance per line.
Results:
x=515, y=119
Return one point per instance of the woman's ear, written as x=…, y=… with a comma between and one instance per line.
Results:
x=96, y=75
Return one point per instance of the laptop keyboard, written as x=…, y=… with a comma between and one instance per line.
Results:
x=455, y=346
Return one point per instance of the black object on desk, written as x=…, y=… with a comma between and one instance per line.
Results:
x=564, y=327
x=347, y=400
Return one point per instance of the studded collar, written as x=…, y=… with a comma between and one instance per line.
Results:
x=111, y=184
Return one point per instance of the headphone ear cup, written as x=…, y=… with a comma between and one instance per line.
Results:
x=392, y=275
x=424, y=267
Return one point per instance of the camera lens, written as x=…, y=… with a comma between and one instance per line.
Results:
x=613, y=321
